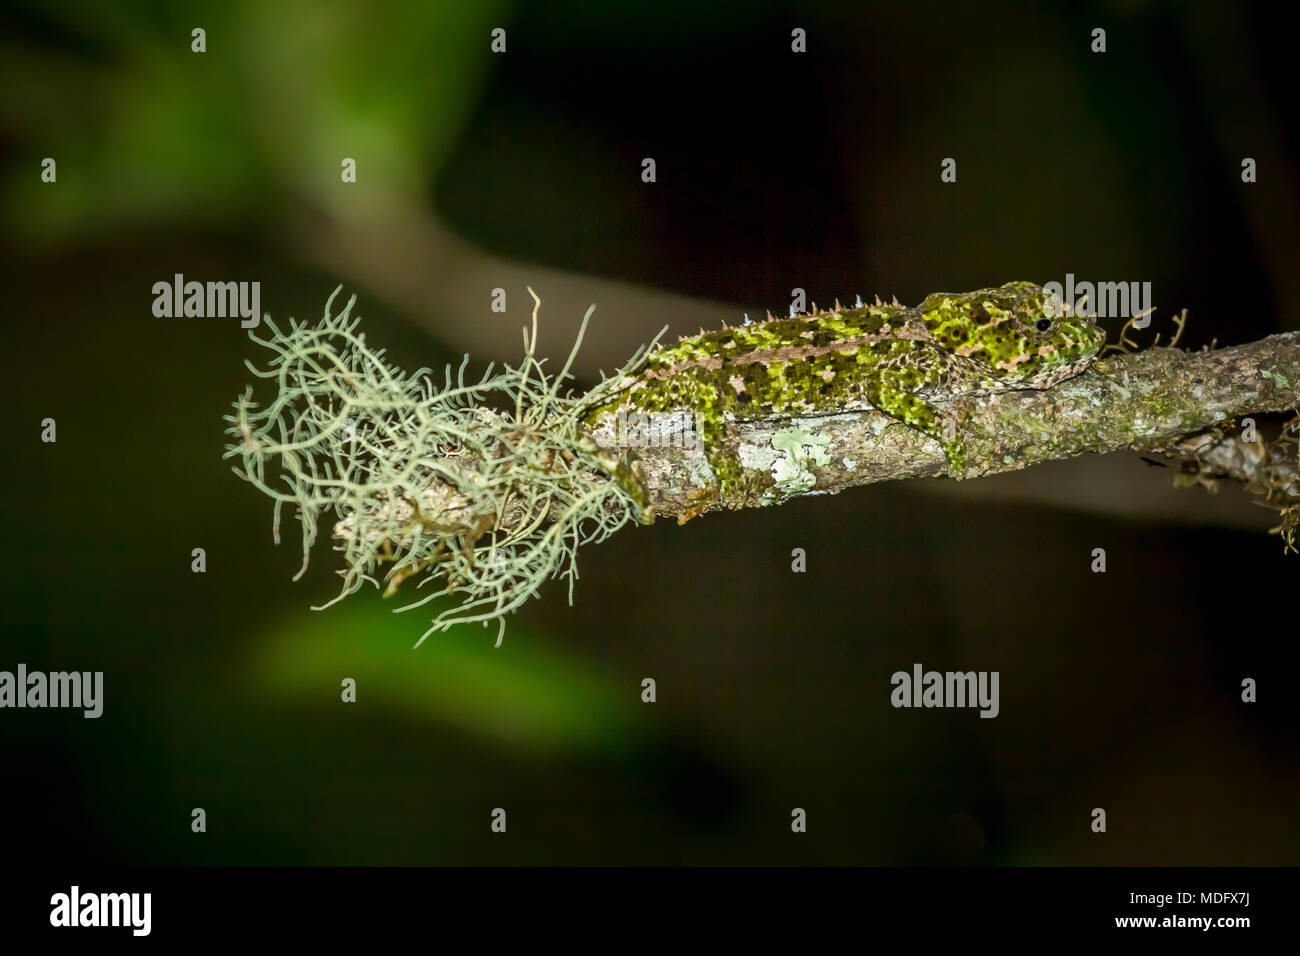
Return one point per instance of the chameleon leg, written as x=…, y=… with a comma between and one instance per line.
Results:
x=619, y=468
x=915, y=411
x=724, y=459
x=625, y=475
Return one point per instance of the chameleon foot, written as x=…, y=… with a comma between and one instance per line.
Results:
x=955, y=452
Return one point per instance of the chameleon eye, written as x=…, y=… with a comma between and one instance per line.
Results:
x=1043, y=325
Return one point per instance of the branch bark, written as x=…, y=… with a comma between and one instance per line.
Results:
x=1157, y=400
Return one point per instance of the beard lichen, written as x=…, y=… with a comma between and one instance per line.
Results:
x=486, y=488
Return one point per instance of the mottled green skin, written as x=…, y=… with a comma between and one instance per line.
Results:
x=905, y=362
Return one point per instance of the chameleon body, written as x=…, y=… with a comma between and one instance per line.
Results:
x=906, y=362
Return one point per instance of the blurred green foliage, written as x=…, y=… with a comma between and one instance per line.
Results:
x=538, y=696
x=146, y=131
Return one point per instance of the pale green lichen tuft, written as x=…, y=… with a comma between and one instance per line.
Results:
x=487, y=486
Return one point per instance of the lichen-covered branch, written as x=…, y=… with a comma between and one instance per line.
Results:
x=1159, y=400
x=487, y=487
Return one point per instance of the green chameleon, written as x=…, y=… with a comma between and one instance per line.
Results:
x=905, y=362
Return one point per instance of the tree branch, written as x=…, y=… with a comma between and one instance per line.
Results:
x=491, y=485
x=1158, y=400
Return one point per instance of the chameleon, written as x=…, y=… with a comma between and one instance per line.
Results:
x=905, y=362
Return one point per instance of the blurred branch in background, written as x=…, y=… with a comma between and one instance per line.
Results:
x=413, y=262
x=252, y=133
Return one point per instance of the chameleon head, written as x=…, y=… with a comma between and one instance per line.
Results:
x=1017, y=333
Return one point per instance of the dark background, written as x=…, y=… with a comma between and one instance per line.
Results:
x=775, y=170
